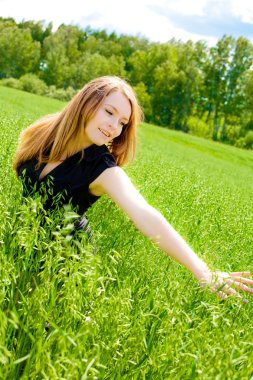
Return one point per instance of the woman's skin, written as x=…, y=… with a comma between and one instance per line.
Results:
x=106, y=125
x=103, y=127
x=109, y=120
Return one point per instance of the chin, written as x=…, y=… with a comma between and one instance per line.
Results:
x=100, y=143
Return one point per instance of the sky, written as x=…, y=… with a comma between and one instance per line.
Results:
x=157, y=20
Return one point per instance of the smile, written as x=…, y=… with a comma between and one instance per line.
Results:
x=105, y=133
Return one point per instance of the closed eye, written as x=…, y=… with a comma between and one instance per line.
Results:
x=111, y=113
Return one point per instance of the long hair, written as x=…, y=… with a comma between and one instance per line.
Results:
x=62, y=133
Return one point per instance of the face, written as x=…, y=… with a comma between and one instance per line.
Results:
x=109, y=120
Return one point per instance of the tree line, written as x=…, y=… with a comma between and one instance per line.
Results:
x=207, y=91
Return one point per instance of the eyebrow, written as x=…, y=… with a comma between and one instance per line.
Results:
x=115, y=109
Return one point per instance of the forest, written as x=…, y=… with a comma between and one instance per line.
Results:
x=186, y=86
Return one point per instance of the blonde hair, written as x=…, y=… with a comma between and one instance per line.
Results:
x=54, y=135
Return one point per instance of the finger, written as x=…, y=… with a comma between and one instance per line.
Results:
x=224, y=291
x=240, y=285
x=231, y=292
x=218, y=286
x=247, y=273
x=222, y=295
x=243, y=280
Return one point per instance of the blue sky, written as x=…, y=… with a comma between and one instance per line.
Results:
x=158, y=20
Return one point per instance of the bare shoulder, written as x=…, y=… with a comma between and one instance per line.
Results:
x=117, y=185
x=111, y=179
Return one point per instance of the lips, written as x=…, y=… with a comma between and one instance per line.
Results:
x=105, y=133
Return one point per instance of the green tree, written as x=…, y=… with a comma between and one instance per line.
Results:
x=7, y=22
x=106, y=47
x=201, y=52
x=38, y=29
x=90, y=66
x=188, y=84
x=249, y=98
x=130, y=44
x=144, y=99
x=177, y=80
x=19, y=53
x=143, y=63
x=216, y=73
x=61, y=52
x=163, y=101
x=235, y=99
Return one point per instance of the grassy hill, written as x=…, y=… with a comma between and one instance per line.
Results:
x=129, y=312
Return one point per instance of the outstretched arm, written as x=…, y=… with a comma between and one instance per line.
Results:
x=151, y=223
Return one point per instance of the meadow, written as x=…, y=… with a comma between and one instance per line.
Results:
x=129, y=311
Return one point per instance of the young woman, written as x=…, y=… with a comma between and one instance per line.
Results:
x=75, y=156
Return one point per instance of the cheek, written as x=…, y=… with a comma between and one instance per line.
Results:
x=90, y=129
x=120, y=131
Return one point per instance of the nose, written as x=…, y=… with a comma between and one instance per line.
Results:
x=114, y=124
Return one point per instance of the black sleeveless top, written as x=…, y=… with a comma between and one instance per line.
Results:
x=68, y=183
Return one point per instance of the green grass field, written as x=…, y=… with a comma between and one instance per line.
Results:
x=129, y=312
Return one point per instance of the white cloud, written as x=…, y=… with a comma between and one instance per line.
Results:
x=184, y=6
x=143, y=17
x=243, y=9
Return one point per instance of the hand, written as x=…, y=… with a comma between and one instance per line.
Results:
x=224, y=284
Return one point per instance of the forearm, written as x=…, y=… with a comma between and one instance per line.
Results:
x=151, y=223
x=156, y=227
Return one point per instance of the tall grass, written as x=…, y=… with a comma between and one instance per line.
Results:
x=128, y=312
